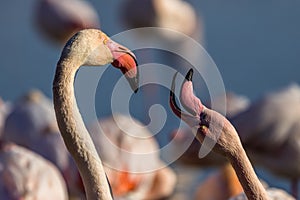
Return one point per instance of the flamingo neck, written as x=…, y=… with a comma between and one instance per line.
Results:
x=75, y=134
x=231, y=181
x=246, y=175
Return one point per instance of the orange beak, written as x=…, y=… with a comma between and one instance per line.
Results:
x=125, y=60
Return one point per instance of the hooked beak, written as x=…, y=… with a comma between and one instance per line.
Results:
x=172, y=100
x=125, y=60
x=190, y=102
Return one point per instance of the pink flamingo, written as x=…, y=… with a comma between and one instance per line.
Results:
x=26, y=175
x=58, y=20
x=234, y=104
x=5, y=108
x=32, y=124
x=133, y=178
x=163, y=14
x=222, y=183
x=276, y=115
x=93, y=48
x=209, y=124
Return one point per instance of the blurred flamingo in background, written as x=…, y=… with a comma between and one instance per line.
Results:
x=26, y=175
x=32, y=124
x=58, y=20
x=209, y=124
x=235, y=103
x=220, y=185
x=163, y=14
x=177, y=21
x=131, y=157
x=31, y=116
x=5, y=108
x=270, y=131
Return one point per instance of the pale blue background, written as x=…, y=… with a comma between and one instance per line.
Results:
x=255, y=44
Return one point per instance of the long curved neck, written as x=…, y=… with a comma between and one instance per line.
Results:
x=246, y=174
x=75, y=134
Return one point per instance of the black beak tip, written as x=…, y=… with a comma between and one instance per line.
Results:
x=134, y=84
x=189, y=75
x=173, y=84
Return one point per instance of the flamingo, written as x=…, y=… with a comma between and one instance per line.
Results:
x=87, y=47
x=223, y=182
x=58, y=20
x=134, y=179
x=214, y=127
x=5, y=108
x=26, y=175
x=32, y=124
x=220, y=185
x=276, y=115
x=235, y=104
x=164, y=14
x=176, y=20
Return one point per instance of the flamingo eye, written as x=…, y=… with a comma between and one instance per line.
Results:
x=204, y=120
x=105, y=41
x=203, y=116
x=105, y=38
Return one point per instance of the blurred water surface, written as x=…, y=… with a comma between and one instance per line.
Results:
x=254, y=44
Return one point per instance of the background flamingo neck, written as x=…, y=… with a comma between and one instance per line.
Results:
x=246, y=174
x=75, y=134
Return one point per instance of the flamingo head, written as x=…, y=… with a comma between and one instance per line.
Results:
x=190, y=102
x=125, y=60
x=94, y=48
x=205, y=122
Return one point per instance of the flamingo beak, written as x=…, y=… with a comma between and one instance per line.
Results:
x=172, y=99
x=125, y=60
x=189, y=101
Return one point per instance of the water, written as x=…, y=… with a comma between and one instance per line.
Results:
x=255, y=45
